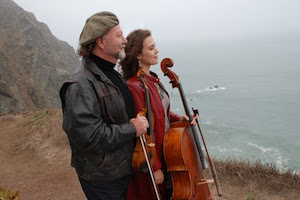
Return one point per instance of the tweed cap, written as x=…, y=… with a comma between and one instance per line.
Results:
x=96, y=26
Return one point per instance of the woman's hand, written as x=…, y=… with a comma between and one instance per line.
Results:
x=185, y=117
x=158, y=176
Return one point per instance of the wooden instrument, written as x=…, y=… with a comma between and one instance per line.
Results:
x=183, y=153
x=144, y=154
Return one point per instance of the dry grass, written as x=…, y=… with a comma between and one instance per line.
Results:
x=257, y=180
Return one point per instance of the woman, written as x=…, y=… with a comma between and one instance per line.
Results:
x=141, y=53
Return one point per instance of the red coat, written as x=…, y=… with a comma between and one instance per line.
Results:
x=141, y=186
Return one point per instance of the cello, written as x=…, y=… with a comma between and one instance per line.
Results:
x=183, y=153
x=144, y=153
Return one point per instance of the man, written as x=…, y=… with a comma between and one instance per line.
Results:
x=97, y=106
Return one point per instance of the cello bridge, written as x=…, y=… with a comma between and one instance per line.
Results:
x=205, y=181
x=151, y=145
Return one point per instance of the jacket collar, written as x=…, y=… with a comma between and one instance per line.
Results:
x=152, y=78
x=90, y=65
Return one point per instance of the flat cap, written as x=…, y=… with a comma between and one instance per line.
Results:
x=96, y=26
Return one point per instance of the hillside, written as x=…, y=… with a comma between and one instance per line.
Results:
x=33, y=62
x=35, y=160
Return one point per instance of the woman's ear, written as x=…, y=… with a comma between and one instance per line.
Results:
x=139, y=56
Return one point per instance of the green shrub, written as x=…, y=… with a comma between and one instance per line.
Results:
x=9, y=195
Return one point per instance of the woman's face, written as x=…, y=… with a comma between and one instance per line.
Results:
x=149, y=52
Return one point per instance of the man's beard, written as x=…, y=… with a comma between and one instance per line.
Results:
x=121, y=54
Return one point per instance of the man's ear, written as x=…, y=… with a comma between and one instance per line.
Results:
x=100, y=42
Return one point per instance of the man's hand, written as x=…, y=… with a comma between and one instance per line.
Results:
x=141, y=124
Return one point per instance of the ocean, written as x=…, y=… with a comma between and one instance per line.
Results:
x=247, y=93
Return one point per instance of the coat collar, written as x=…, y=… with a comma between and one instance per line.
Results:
x=89, y=64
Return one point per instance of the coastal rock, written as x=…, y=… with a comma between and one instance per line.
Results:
x=33, y=62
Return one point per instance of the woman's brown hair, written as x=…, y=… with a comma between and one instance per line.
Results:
x=134, y=46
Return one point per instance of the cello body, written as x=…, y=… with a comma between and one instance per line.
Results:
x=184, y=164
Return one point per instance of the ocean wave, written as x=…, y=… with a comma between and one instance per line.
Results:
x=236, y=150
x=215, y=132
x=211, y=89
x=280, y=160
x=207, y=123
x=264, y=149
x=220, y=149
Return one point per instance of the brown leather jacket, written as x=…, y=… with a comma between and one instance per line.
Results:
x=97, y=125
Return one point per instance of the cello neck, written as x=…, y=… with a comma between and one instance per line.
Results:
x=184, y=102
x=195, y=132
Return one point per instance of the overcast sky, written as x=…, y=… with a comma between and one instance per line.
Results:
x=183, y=21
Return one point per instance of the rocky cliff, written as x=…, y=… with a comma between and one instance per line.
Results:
x=33, y=62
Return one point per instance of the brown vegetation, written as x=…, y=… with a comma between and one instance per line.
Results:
x=254, y=180
x=35, y=161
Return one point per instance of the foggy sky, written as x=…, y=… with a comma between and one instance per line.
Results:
x=183, y=21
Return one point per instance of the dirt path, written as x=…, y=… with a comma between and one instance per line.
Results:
x=33, y=162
